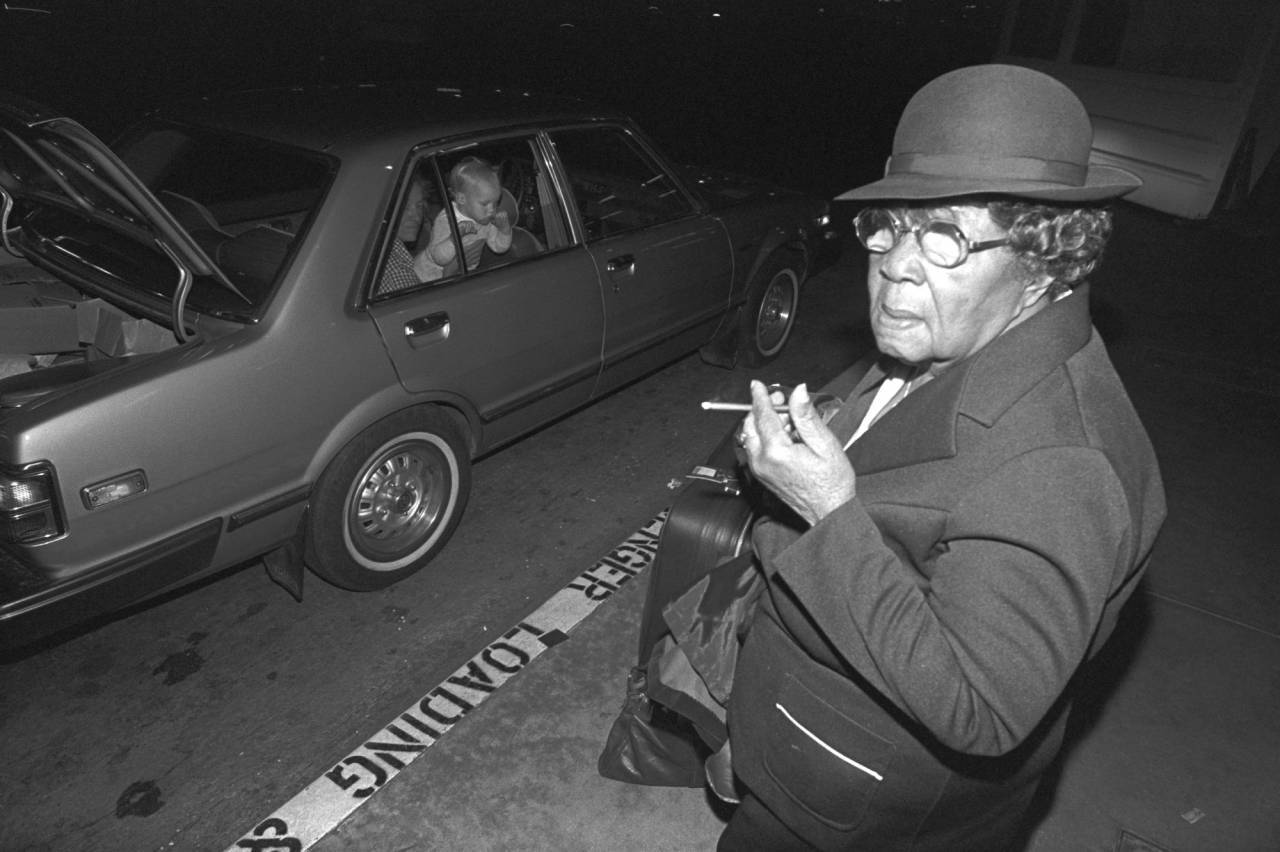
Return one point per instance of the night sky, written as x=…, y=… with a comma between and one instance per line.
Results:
x=804, y=92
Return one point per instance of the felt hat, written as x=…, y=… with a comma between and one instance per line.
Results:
x=999, y=129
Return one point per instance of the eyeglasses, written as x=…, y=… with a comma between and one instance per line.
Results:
x=942, y=243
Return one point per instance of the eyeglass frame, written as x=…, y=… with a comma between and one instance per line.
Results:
x=900, y=229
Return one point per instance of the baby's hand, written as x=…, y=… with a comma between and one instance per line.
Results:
x=502, y=221
x=466, y=228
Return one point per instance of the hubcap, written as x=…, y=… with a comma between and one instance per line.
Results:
x=774, y=320
x=398, y=501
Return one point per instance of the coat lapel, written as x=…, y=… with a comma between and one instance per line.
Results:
x=849, y=416
x=923, y=426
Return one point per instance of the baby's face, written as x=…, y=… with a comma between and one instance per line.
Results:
x=479, y=199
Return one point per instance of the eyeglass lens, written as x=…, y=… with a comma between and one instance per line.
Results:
x=942, y=243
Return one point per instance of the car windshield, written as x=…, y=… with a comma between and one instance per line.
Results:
x=244, y=201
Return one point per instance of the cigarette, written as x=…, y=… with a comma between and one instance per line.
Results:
x=737, y=406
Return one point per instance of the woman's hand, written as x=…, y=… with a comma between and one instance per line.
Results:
x=805, y=464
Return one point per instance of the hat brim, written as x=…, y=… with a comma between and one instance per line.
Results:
x=1101, y=183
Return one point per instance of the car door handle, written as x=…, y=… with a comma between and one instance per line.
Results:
x=427, y=329
x=622, y=263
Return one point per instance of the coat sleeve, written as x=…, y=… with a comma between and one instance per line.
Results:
x=1015, y=589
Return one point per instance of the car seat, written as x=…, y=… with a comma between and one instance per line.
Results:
x=523, y=242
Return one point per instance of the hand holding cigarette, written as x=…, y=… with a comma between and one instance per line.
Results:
x=795, y=455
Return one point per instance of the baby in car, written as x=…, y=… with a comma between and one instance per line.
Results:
x=476, y=192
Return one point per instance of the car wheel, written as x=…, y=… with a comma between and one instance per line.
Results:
x=389, y=501
x=770, y=311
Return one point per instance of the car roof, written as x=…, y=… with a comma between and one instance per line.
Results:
x=339, y=119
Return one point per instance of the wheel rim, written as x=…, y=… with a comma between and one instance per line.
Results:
x=399, y=504
x=777, y=312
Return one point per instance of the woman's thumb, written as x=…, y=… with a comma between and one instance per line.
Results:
x=804, y=416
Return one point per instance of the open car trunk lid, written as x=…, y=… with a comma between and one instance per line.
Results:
x=54, y=169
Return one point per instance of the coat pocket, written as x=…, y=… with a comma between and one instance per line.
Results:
x=827, y=763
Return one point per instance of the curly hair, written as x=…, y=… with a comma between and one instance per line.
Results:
x=1064, y=242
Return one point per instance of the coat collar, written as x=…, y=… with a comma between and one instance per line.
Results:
x=982, y=388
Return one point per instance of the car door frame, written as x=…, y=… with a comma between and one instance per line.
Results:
x=628, y=359
x=501, y=420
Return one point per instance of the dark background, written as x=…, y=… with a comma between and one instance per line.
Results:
x=805, y=92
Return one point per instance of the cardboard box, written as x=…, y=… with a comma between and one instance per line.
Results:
x=112, y=332
x=32, y=322
x=12, y=365
x=40, y=314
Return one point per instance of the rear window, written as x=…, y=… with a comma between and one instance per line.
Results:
x=246, y=201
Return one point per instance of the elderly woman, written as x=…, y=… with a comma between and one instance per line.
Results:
x=969, y=523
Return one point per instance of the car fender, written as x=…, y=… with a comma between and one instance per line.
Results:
x=383, y=404
x=776, y=238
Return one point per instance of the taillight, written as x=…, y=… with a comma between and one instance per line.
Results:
x=29, y=511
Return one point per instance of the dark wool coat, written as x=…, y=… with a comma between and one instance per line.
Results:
x=904, y=683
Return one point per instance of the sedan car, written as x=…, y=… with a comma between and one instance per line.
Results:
x=226, y=336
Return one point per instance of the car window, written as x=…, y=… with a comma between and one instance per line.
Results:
x=421, y=200
x=617, y=185
x=473, y=208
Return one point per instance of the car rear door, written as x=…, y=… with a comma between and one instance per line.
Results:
x=665, y=267
x=518, y=334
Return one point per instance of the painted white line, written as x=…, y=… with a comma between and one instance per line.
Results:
x=315, y=811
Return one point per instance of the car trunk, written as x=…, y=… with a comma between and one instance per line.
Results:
x=46, y=323
x=97, y=267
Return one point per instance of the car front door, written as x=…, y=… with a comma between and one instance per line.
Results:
x=666, y=269
x=515, y=332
